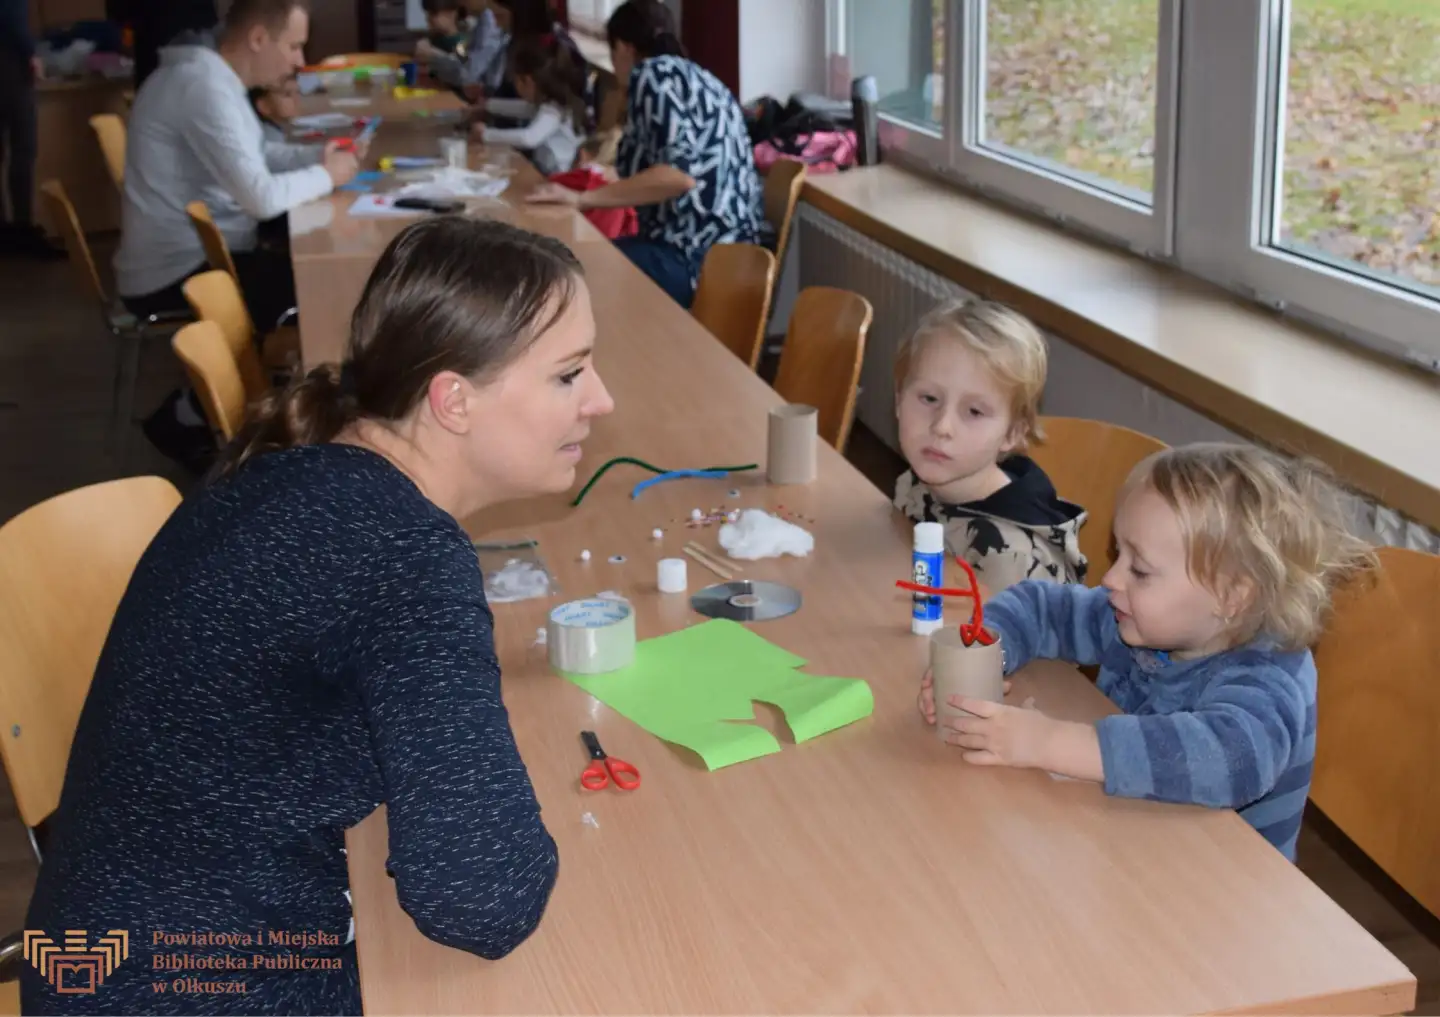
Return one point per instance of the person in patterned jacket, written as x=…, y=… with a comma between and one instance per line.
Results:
x=967, y=395
x=684, y=162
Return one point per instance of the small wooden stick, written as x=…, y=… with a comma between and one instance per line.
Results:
x=722, y=573
x=713, y=557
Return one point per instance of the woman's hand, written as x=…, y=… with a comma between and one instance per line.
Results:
x=553, y=194
x=927, y=696
x=477, y=131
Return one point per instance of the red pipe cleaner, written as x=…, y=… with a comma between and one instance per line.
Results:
x=974, y=630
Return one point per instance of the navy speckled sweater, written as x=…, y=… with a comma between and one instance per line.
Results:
x=298, y=645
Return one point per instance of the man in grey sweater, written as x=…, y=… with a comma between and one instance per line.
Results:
x=193, y=136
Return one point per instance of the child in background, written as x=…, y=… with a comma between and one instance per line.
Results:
x=591, y=172
x=967, y=395
x=448, y=31
x=276, y=107
x=551, y=89
x=1202, y=629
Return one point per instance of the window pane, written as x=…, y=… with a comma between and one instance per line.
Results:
x=901, y=43
x=1071, y=84
x=1361, y=137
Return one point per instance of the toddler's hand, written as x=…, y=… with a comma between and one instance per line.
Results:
x=1000, y=735
x=926, y=702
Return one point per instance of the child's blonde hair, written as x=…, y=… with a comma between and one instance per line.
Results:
x=1275, y=523
x=1009, y=345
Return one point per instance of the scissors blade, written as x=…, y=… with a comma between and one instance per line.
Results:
x=592, y=744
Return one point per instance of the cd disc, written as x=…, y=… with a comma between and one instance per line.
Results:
x=746, y=601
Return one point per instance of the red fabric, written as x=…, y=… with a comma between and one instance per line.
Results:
x=613, y=222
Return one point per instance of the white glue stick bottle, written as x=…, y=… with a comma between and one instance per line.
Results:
x=927, y=568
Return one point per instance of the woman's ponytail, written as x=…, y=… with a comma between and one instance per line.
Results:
x=311, y=410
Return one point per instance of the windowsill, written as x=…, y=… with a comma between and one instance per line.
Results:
x=1374, y=421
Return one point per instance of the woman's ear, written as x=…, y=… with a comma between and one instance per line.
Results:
x=448, y=398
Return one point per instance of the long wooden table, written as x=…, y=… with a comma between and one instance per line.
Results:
x=869, y=870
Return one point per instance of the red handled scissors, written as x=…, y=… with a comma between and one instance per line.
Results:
x=603, y=769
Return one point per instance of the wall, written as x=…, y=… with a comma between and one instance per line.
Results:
x=782, y=48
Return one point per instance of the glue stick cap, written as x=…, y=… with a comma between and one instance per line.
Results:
x=930, y=538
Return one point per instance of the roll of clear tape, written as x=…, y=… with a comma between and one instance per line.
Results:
x=591, y=636
x=671, y=576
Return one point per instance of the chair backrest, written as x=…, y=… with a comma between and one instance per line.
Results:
x=63, y=213
x=783, y=185
x=820, y=362
x=64, y=565
x=1088, y=461
x=215, y=296
x=110, y=129
x=1377, y=750
x=212, y=241
x=213, y=374
x=733, y=298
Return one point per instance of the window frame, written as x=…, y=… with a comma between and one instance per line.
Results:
x=1231, y=119
x=1219, y=136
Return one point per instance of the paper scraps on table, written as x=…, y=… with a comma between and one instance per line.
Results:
x=350, y=103
x=381, y=206
x=758, y=534
x=322, y=122
x=452, y=182
x=691, y=687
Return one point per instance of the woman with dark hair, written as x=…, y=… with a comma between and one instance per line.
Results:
x=307, y=638
x=685, y=160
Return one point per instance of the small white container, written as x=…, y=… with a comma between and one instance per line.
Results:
x=455, y=152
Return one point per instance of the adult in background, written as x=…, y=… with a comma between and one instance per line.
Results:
x=20, y=69
x=684, y=160
x=307, y=638
x=194, y=136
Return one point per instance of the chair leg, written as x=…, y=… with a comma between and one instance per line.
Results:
x=127, y=375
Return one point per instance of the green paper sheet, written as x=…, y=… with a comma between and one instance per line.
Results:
x=696, y=688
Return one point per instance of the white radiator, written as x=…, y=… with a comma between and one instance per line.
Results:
x=833, y=254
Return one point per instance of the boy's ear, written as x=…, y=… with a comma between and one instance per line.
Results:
x=1015, y=439
x=1236, y=598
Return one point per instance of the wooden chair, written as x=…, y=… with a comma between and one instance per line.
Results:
x=783, y=185
x=824, y=349
x=1377, y=750
x=732, y=300
x=64, y=565
x=212, y=241
x=1088, y=461
x=214, y=375
x=214, y=296
x=110, y=130
x=124, y=326
x=217, y=253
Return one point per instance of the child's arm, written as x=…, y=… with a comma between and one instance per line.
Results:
x=516, y=109
x=1227, y=753
x=1051, y=621
x=546, y=123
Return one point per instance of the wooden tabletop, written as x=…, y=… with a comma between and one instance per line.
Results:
x=380, y=100
x=868, y=870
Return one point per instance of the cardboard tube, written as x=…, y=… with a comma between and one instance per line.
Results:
x=793, y=438
x=977, y=672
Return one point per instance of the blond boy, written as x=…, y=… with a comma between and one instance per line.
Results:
x=967, y=395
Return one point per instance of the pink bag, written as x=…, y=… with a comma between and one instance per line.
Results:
x=821, y=152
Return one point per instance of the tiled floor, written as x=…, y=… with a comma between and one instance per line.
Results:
x=56, y=368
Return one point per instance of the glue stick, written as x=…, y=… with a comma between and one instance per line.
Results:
x=927, y=568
